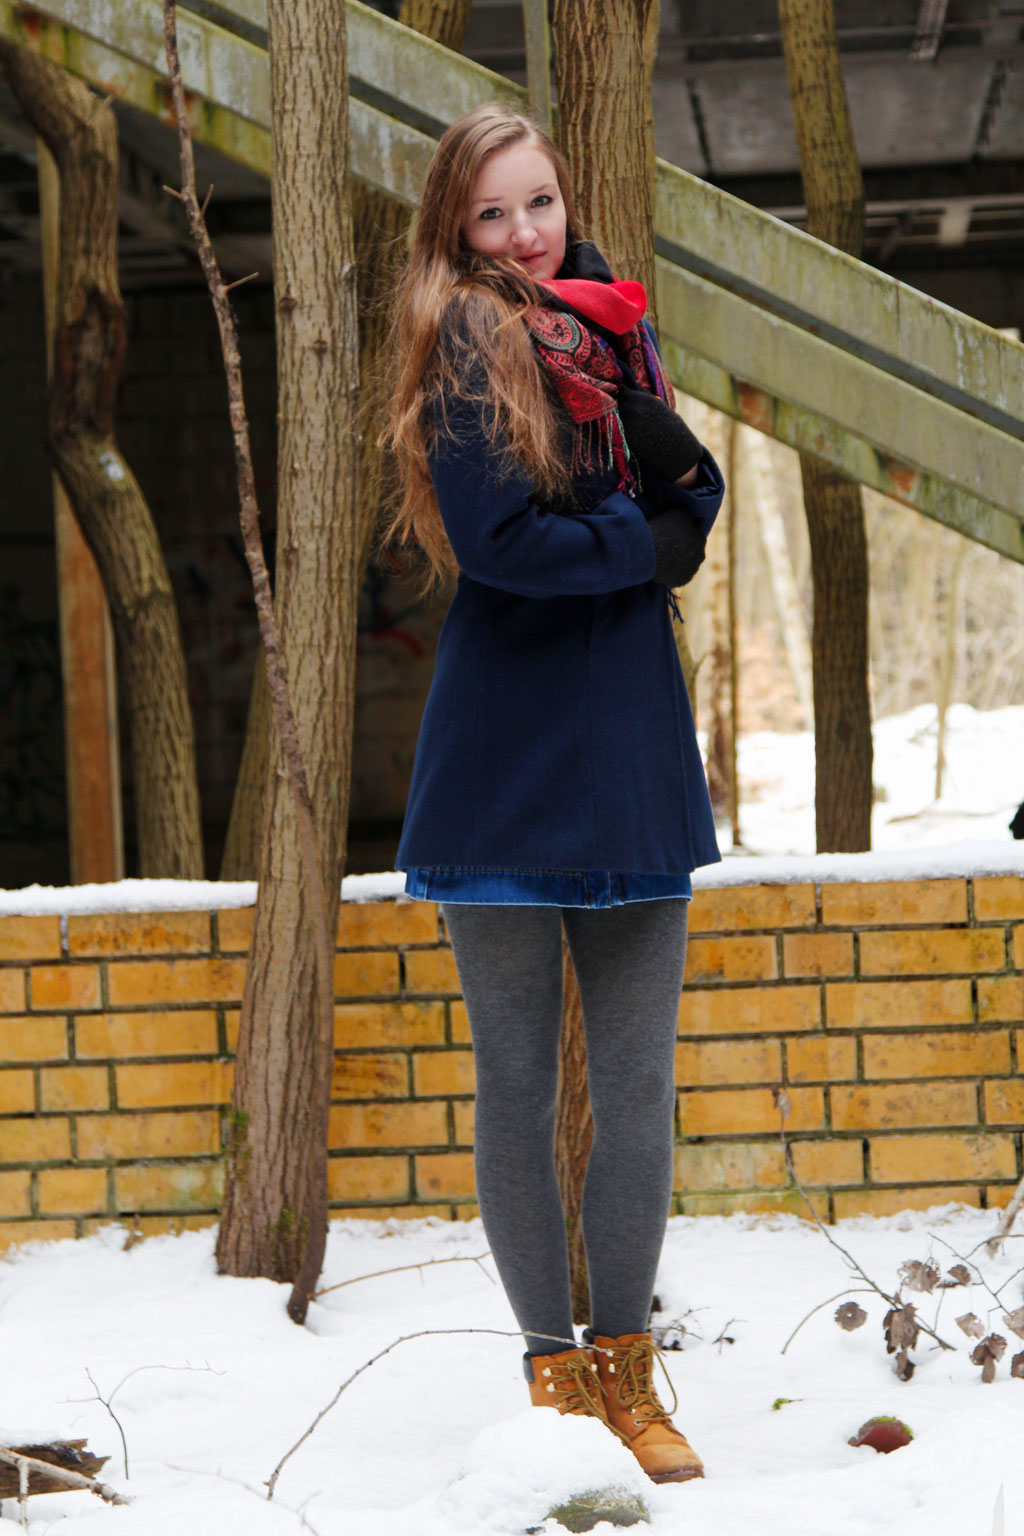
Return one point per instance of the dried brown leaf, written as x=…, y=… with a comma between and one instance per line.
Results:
x=985, y=1354
x=904, y=1366
x=1017, y=1365
x=971, y=1325
x=850, y=1316
x=958, y=1275
x=1015, y=1321
x=917, y=1275
x=900, y=1328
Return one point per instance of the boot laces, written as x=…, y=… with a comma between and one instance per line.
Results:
x=634, y=1371
x=577, y=1386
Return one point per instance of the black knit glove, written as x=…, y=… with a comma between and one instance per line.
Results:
x=655, y=434
x=678, y=547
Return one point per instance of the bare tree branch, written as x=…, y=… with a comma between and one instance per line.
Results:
x=29, y=1464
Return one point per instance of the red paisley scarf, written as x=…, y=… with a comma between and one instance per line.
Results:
x=577, y=359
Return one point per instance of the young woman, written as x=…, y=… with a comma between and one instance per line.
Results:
x=557, y=777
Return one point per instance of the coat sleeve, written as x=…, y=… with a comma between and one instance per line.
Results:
x=504, y=536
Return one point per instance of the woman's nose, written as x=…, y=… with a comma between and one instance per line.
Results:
x=522, y=230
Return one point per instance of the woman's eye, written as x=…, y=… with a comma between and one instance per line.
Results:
x=543, y=200
x=488, y=211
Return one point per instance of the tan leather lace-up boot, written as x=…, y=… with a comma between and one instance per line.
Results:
x=567, y=1381
x=625, y=1369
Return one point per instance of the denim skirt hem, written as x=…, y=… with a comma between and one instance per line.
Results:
x=543, y=887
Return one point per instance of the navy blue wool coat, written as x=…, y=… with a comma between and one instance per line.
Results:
x=557, y=735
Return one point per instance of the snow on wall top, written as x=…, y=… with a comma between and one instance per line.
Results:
x=951, y=860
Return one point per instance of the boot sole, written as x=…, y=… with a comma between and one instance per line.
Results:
x=674, y=1477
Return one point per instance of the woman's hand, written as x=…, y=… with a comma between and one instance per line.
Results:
x=689, y=477
x=657, y=435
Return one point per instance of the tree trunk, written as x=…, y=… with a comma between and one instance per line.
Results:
x=274, y=1221
x=380, y=227
x=834, y=195
x=89, y=341
x=603, y=93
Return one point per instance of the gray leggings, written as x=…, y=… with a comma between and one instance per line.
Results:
x=629, y=964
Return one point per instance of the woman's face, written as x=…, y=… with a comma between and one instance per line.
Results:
x=516, y=209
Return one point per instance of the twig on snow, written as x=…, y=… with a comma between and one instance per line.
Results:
x=106, y=1401
x=852, y=1290
x=422, y=1333
x=399, y=1269
x=1007, y=1220
x=27, y=1464
x=783, y=1105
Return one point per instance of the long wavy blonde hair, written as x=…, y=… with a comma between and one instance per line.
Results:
x=457, y=332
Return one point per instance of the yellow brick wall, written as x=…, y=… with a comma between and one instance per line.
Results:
x=893, y=1012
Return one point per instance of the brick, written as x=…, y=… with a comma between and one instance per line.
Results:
x=14, y=1193
x=817, y=954
x=1018, y=949
x=747, y=1111
x=388, y=1125
x=895, y=902
x=65, y=986
x=12, y=990
x=138, y=933
x=701, y=1063
x=883, y=1004
x=445, y=1174
x=1000, y=998
x=773, y=1010
x=388, y=1024
x=179, y=1134
x=893, y=1106
x=34, y=1140
x=17, y=1092
x=33, y=1039
x=828, y=1162
x=460, y=1031
x=441, y=1072
x=915, y=1159
x=912, y=953
x=466, y=1210
x=234, y=928
x=209, y=980
x=365, y=971
x=74, y=1088
x=998, y=896
x=13, y=1233
x=367, y=1178
x=465, y=1123
x=889, y=1202
x=962, y=1054
x=30, y=938
x=72, y=1191
x=178, y=1032
x=169, y=1186
x=999, y=1195
x=365, y=924
x=1004, y=1102
x=374, y=1076
x=752, y=906
x=431, y=970
x=749, y=959
x=786, y=1200
x=821, y=1059
x=710, y=1165
x=181, y=1084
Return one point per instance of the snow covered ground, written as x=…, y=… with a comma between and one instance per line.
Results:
x=437, y=1438
x=983, y=782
